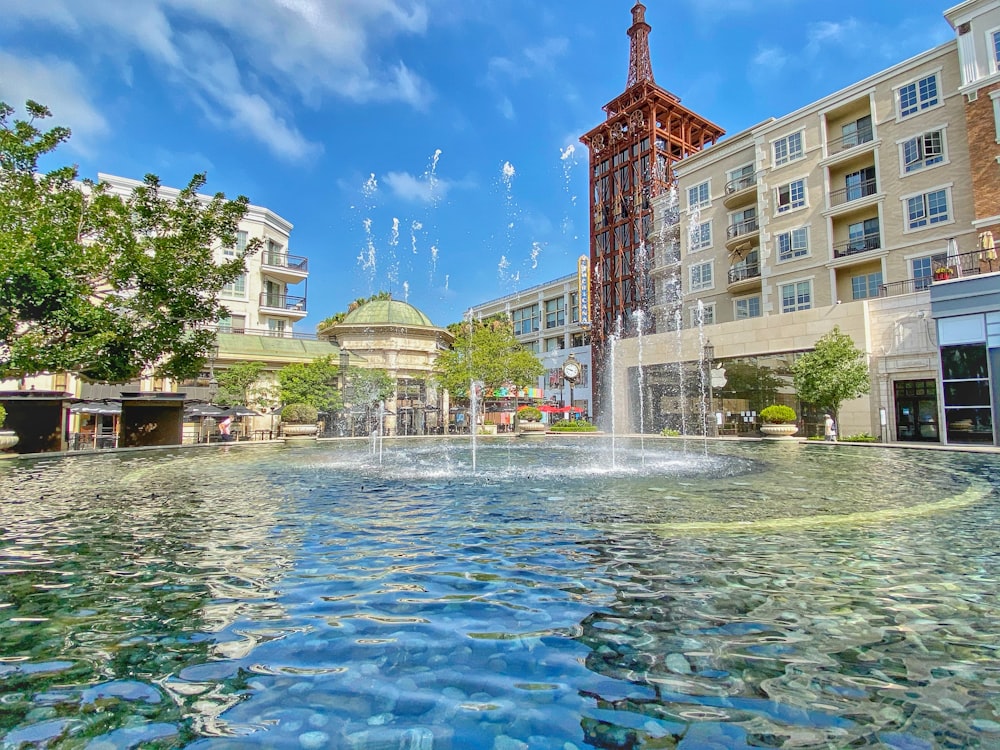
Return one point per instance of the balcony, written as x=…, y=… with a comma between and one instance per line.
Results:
x=851, y=140
x=744, y=275
x=964, y=265
x=741, y=232
x=871, y=241
x=283, y=305
x=290, y=269
x=741, y=191
x=853, y=193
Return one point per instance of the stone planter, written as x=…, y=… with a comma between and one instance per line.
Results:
x=778, y=430
x=298, y=430
x=8, y=439
x=531, y=428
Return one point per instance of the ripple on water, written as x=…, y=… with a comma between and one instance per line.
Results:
x=733, y=595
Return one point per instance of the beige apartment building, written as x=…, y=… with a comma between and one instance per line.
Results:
x=845, y=212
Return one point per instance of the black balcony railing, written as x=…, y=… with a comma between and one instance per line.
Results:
x=870, y=241
x=744, y=272
x=863, y=135
x=956, y=267
x=284, y=260
x=853, y=192
x=741, y=228
x=741, y=183
x=283, y=302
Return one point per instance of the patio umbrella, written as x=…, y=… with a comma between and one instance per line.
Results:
x=953, y=260
x=199, y=411
x=240, y=411
x=106, y=408
x=987, y=247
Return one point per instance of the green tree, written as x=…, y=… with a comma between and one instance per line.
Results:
x=835, y=371
x=369, y=386
x=242, y=383
x=100, y=285
x=316, y=383
x=339, y=317
x=486, y=351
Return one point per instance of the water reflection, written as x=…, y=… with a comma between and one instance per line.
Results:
x=756, y=596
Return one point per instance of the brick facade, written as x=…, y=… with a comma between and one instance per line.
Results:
x=983, y=154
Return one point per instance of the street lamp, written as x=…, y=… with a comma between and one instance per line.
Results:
x=709, y=354
x=213, y=382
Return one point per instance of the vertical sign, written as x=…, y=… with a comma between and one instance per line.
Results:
x=583, y=281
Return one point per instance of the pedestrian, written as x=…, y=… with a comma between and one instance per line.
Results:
x=829, y=428
x=224, y=429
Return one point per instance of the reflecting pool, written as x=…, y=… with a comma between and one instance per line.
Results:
x=729, y=595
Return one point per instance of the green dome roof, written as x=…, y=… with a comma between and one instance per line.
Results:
x=386, y=311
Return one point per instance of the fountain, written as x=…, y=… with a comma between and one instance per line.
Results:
x=322, y=596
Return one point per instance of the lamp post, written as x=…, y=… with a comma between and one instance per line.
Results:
x=709, y=353
x=213, y=382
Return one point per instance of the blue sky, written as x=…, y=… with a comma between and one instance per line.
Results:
x=425, y=147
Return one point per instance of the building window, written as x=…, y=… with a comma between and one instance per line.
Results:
x=923, y=151
x=701, y=236
x=236, y=288
x=797, y=296
x=923, y=269
x=917, y=96
x=857, y=132
x=574, y=307
x=576, y=340
x=740, y=179
x=275, y=254
x=995, y=96
x=555, y=312
x=275, y=327
x=701, y=276
x=863, y=236
x=232, y=324
x=703, y=315
x=859, y=184
x=995, y=46
x=554, y=344
x=793, y=244
x=535, y=347
x=788, y=149
x=526, y=320
x=698, y=197
x=866, y=285
x=239, y=248
x=966, y=385
x=747, y=307
x=792, y=195
x=926, y=209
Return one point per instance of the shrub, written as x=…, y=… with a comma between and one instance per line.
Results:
x=3, y=416
x=777, y=414
x=299, y=414
x=529, y=414
x=861, y=437
x=572, y=425
x=668, y=432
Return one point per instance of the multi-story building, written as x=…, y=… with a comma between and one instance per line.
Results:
x=547, y=321
x=856, y=210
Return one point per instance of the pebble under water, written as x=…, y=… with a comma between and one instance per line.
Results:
x=670, y=595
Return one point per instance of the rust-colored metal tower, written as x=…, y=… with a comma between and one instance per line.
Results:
x=631, y=161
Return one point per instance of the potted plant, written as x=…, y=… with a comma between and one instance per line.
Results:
x=778, y=421
x=8, y=438
x=299, y=420
x=529, y=420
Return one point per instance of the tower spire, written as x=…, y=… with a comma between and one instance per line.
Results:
x=640, y=68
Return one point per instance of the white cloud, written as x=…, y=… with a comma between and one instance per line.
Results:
x=58, y=85
x=769, y=61
x=416, y=189
x=253, y=55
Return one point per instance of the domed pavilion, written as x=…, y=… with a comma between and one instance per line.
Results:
x=395, y=336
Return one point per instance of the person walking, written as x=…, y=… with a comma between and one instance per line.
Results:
x=829, y=428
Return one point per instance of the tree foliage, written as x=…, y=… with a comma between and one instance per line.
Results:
x=316, y=383
x=369, y=386
x=486, y=351
x=339, y=317
x=835, y=371
x=242, y=383
x=98, y=284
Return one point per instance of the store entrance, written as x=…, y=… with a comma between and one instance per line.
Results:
x=917, y=411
